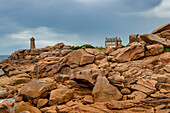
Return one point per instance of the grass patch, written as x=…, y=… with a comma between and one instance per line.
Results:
x=86, y=46
x=166, y=50
x=82, y=47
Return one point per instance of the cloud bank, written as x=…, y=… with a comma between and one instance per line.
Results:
x=76, y=22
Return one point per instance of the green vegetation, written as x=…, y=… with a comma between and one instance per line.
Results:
x=166, y=50
x=86, y=46
x=82, y=47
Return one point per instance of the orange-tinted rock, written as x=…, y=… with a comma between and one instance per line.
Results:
x=22, y=106
x=79, y=57
x=134, y=38
x=154, y=39
x=103, y=91
x=42, y=102
x=4, y=108
x=59, y=96
x=125, y=91
x=34, y=89
x=154, y=49
x=162, y=28
x=138, y=95
x=51, y=109
x=131, y=53
x=88, y=99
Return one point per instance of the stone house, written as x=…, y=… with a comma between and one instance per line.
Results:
x=113, y=42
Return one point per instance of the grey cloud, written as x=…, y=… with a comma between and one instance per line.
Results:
x=91, y=22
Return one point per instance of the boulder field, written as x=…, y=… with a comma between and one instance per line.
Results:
x=57, y=79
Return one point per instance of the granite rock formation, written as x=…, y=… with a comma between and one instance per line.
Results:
x=56, y=79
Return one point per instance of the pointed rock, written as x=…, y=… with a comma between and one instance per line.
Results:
x=103, y=91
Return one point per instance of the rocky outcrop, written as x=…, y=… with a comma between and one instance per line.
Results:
x=103, y=91
x=154, y=39
x=87, y=76
x=11, y=70
x=135, y=38
x=131, y=53
x=154, y=49
x=34, y=89
x=4, y=108
x=141, y=103
x=161, y=29
x=23, y=107
x=79, y=57
x=59, y=96
x=55, y=79
x=145, y=86
x=47, y=68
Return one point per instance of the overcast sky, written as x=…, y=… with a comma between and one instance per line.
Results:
x=76, y=22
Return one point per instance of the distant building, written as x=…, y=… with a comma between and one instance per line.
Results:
x=113, y=42
x=32, y=43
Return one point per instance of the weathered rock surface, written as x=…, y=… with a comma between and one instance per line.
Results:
x=154, y=49
x=154, y=39
x=4, y=108
x=42, y=102
x=103, y=91
x=162, y=28
x=59, y=96
x=125, y=91
x=87, y=76
x=134, y=38
x=34, y=89
x=88, y=99
x=138, y=95
x=145, y=85
x=131, y=79
x=131, y=53
x=79, y=57
x=22, y=106
x=11, y=70
x=136, y=103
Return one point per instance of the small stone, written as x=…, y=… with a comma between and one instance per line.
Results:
x=164, y=91
x=19, y=98
x=51, y=109
x=72, y=103
x=125, y=91
x=168, y=106
x=160, y=107
x=138, y=95
x=125, y=97
x=22, y=106
x=59, y=96
x=143, y=89
x=42, y=102
x=4, y=108
x=151, y=110
x=88, y=99
x=158, y=95
x=25, y=112
x=163, y=111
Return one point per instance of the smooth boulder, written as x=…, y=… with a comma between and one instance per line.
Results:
x=34, y=89
x=155, y=39
x=79, y=57
x=103, y=91
x=22, y=106
x=59, y=96
x=132, y=52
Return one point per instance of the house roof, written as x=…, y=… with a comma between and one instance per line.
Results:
x=112, y=39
